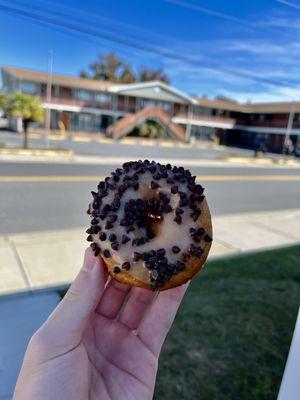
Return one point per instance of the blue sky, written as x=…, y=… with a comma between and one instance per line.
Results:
x=221, y=44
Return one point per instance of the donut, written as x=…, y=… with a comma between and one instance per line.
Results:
x=151, y=225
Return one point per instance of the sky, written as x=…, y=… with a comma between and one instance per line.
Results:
x=244, y=50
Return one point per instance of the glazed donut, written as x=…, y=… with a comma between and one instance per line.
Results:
x=151, y=224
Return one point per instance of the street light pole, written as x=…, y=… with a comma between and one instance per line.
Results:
x=48, y=97
x=289, y=126
x=189, y=122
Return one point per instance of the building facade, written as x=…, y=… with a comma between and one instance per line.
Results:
x=86, y=105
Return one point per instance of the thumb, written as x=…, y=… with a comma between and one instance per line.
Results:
x=68, y=321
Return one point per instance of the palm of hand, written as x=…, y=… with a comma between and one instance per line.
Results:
x=93, y=348
x=120, y=365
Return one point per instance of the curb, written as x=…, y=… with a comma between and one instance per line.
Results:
x=36, y=152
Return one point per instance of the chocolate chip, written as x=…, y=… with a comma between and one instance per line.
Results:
x=102, y=236
x=162, y=195
x=178, y=219
x=154, y=185
x=96, y=229
x=108, y=225
x=180, y=266
x=124, y=222
x=200, y=198
x=89, y=231
x=116, y=270
x=179, y=211
x=89, y=238
x=112, y=237
x=95, y=195
x=186, y=257
x=115, y=246
x=161, y=252
x=136, y=256
x=96, y=204
x=152, y=253
x=126, y=265
x=125, y=239
x=112, y=218
x=184, y=202
x=198, y=189
x=94, y=221
x=176, y=249
x=167, y=208
x=196, y=251
x=199, y=232
x=149, y=264
x=135, y=185
x=106, y=253
x=207, y=238
x=112, y=186
x=174, y=189
x=106, y=208
x=194, y=216
x=130, y=229
x=157, y=176
x=97, y=252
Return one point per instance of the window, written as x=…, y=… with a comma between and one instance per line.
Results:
x=83, y=95
x=28, y=87
x=103, y=97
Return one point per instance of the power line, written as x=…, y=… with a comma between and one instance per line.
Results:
x=140, y=46
x=228, y=17
x=289, y=4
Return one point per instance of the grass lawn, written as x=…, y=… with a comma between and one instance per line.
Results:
x=231, y=337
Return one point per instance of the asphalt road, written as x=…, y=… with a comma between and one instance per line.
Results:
x=55, y=196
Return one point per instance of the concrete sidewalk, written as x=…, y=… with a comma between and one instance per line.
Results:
x=42, y=259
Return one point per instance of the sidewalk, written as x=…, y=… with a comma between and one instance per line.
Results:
x=42, y=259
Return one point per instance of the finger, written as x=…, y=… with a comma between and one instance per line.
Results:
x=136, y=307
x=69, y=319
x=113, y=298
x=158, y=321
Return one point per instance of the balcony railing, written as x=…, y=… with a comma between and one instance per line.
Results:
x=68, y=101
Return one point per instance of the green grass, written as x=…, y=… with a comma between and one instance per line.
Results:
x=232, y=334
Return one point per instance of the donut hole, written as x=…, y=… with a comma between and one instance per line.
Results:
x=153, y=217
x=145, y=214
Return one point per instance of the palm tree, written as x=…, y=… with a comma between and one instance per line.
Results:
x=26, y=107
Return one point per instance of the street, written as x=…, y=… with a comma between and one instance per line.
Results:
x=44, y=196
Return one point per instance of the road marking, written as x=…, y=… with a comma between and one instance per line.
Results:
x=94, y=178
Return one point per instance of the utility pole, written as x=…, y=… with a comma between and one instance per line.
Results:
x=189, y=121
x=48, y=96
x=289, y=125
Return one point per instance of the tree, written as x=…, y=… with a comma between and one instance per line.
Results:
x=106, y=68
x=127, y=75
x=111, y=68
x=2, y=100
x=26, y=107
x=147, y=74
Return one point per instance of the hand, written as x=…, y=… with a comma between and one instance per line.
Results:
x=96, y=344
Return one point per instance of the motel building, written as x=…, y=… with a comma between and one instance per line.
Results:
x=106, y=108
